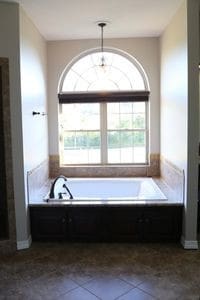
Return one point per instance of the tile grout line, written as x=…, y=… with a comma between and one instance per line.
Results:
x=125, y=293
x=63, y=294
x=91, y=292
x=147, y=292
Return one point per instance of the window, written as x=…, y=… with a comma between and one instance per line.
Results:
x=81, y=135
x=126, y=132
x=103, y=112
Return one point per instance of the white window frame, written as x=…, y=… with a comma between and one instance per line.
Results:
x=103, y=108
x=103, y=139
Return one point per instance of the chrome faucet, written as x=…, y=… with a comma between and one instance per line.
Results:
x=52, y=194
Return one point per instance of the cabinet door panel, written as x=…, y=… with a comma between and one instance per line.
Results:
x=124, y=225
x=162, y=224
x=84, y=224
x=48, y=224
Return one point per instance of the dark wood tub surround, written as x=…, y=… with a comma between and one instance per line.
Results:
x=80, y=223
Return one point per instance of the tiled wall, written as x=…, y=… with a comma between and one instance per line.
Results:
x=36, y=178
x=9, y=245
x=158, y=167
x=153, y=169
x=173, y=176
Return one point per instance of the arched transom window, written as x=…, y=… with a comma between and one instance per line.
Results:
x=118, y=74
x=103, y=111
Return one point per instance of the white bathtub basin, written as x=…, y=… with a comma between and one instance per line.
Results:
x=110, y=190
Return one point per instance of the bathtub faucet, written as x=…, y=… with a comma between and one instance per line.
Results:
x=52, y=194
x=70, y=194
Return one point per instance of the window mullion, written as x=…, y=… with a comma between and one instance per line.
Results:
x=103, y=113
x=147, y=130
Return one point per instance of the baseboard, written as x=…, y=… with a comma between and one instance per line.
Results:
x=24, y=244
x=190, y=245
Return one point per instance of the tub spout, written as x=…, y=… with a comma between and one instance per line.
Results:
x=70, y=194
x=52, y=194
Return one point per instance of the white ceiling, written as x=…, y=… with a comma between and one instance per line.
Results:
x=76, y=19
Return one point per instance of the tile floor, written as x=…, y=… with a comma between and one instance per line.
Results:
x=101, y=271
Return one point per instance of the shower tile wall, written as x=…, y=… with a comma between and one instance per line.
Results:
x=151, y=170
x=173, y=176
x=7, y=240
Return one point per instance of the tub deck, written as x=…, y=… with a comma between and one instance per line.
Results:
x=39, y=198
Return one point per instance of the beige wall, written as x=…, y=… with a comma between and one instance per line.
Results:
x=33, y=98
x=26, y=50
x=145, y=50
x=33, y=90
x=179, y=105
x=174, y=89
x=193, y=120
x=9, y=47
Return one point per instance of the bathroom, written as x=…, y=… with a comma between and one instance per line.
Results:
x=173, y=110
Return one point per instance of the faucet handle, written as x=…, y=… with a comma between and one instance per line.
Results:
x=60, y=195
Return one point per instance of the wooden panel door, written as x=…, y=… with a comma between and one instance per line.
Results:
x=48, y=224
x=124, y=224
x=85, y=224
x=162, y=224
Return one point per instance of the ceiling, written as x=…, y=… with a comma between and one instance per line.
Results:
x=76, y=19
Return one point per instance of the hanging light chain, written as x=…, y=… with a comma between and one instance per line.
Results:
x=102, y=24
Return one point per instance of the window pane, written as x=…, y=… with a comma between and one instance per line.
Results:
x=102, y=85
x=126, y=107
x=113, y=139
x=113, y=121
x=119, y=73
x=139, y=138
x=138, y=121
x=94, y=140
x=70, y=81
x=82, y=64
x=113, y=108
x=139, y=145
x=139, y=107
x=126, y=139
x=81, y=85
x=69, y=140
x=125, y=133
x=139, y=154
x=94, y=144
x=80, y=116
x=82, y=147
x=126, y=155
x=126, y=147
x=125, y=121
x=113, y=147
x=90, y=75
x=124, y=84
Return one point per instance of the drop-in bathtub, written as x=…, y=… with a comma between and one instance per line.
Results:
x=108, y=190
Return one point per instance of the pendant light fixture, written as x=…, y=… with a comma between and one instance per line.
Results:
x=102, y=63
